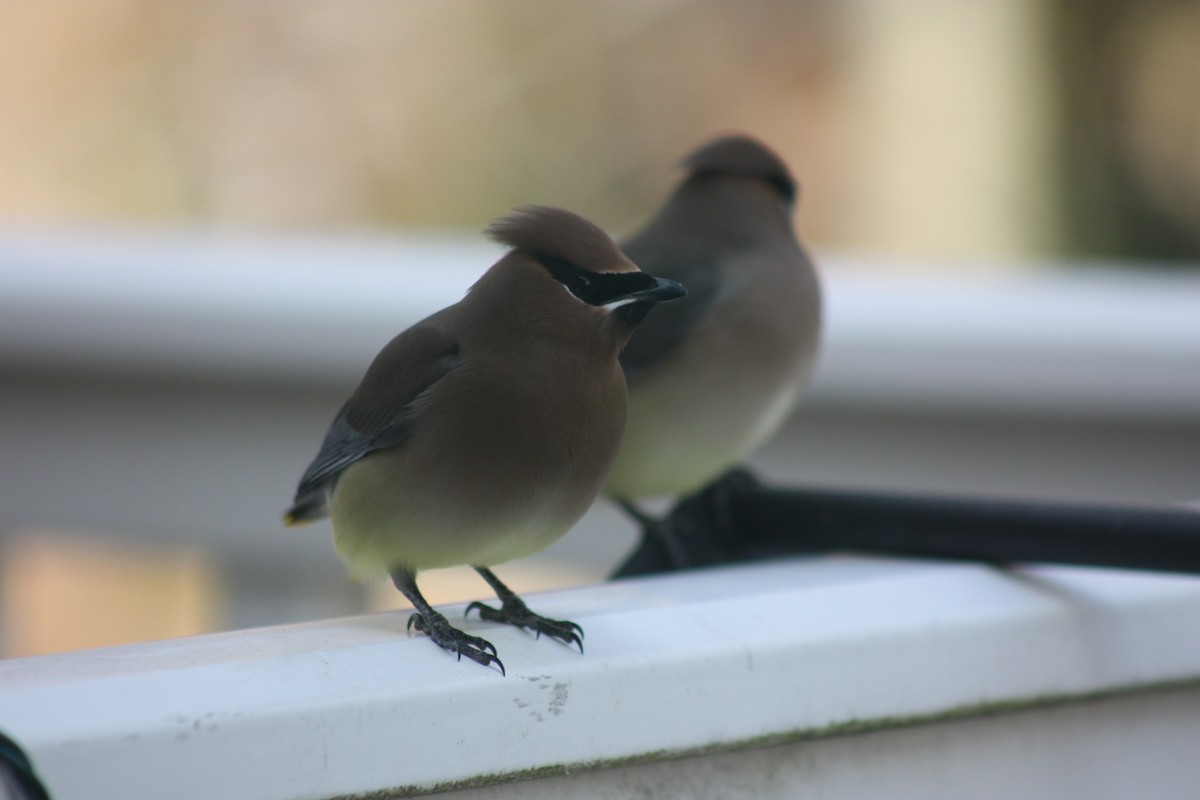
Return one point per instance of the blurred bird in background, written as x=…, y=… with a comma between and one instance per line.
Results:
x=714, y=376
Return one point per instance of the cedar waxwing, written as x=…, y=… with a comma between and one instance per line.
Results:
x=715, y=375
x=484, y=432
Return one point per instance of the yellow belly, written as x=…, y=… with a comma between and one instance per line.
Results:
x=678, y=439
x=383, y=519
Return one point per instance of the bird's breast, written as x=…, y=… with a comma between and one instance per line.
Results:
x=723, y=391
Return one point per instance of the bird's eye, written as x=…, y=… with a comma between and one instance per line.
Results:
x=580, y=285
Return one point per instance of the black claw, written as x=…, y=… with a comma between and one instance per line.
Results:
x=447, y=637
x=515, y=612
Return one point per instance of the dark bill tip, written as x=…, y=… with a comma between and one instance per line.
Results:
x=660, y=291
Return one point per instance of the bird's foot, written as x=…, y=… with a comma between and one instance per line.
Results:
x=666, y=545
x=709, y=518
x=513, y=611
x=721, y=498
x=666, y=538
x=702, y=530
x=447, y=637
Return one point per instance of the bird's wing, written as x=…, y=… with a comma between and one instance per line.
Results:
x=378, y=415
x=670, y=323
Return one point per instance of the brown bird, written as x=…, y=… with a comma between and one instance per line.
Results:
x=714, y=376
x=484, y=432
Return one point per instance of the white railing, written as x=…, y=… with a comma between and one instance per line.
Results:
x=978, y=682
x=313, y=310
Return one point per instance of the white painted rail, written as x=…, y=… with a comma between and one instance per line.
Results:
x=721, y=664
x=316, y=309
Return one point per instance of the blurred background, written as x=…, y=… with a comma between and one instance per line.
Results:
x=1058, y=126
x=935, y=140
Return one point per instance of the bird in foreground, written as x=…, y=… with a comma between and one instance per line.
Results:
x=484, y=432
x=714, y=376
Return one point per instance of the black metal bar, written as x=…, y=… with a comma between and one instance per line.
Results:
x=977, y=529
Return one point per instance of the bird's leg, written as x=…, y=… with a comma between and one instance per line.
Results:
x=514, y=612
x=437, y=628
x=718, y=503
x=709, y=519
x=639, y=516
x=701, y=530
x=661, y=532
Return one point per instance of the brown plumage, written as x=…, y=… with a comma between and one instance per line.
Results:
x=713, y=376
x=483, y=432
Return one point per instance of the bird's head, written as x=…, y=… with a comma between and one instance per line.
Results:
x=743, y=156
x=558, y=251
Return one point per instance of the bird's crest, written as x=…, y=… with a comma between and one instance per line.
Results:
x=555, y=234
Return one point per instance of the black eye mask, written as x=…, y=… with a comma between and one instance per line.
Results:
x=599, y=288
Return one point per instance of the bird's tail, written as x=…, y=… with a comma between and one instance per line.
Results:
x=307, y=508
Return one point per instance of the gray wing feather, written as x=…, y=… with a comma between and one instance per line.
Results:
x=669, y=324
x=378, y=415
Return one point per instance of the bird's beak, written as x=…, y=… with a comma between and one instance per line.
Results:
x=659, y=290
